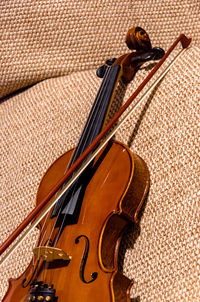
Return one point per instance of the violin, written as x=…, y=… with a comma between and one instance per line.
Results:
x=76, y=257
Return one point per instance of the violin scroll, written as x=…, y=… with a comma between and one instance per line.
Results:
x=138, y=39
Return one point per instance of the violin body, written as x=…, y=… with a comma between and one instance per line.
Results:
x=111, y=202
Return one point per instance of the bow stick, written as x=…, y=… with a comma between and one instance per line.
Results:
x=185, y=42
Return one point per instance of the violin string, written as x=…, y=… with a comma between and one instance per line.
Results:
x=93, y=124
x=70, y=161
x=92, y=115
x=96, y=109
x=44, y=278
x=33, y=266
x=91, y=120
x=87, y=162
x=43, y=236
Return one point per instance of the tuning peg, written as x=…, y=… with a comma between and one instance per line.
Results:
x=110, y=61
x=158, y=53
x=101, y=71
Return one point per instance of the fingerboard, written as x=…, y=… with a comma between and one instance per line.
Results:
x=68, y=206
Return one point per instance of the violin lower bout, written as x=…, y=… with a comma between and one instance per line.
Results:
x=111, y=202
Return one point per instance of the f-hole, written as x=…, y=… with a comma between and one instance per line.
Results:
x=84, y=260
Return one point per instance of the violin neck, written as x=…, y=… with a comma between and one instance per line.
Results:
x=99, y=111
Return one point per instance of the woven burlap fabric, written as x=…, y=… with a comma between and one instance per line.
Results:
x=44, y=121
x=43, y=39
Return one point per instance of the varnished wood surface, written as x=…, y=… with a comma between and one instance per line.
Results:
x=102, y=219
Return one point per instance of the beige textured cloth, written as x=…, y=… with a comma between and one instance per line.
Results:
x=40, y=123
x=43, y=39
